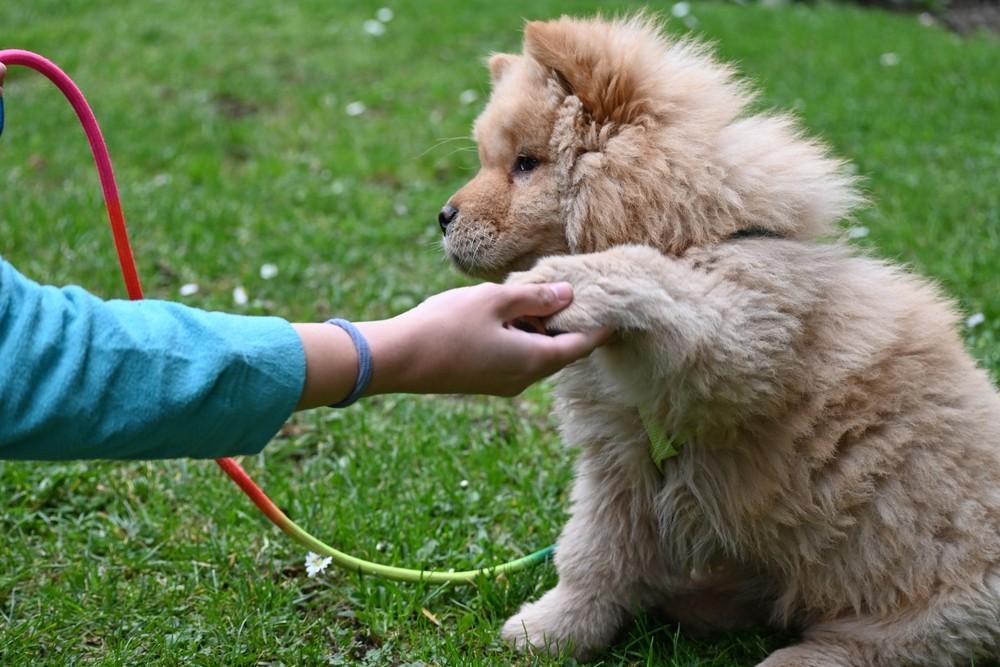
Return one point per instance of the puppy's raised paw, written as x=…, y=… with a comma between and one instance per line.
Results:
x=590, y=309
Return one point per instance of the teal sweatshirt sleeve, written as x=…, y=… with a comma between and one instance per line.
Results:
x=84, y=378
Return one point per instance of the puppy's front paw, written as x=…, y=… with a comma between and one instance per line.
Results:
x=531, y=631
x=541, y=273
x=590, y=307
x=564, y=623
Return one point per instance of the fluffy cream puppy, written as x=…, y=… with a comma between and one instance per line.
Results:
x=837, y=451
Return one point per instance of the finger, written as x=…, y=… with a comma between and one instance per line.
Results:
x=528, y=324
x=568, y=347
x=581, y=343
x=535, y=300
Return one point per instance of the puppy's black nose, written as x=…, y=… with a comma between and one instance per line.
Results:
x=446, y=216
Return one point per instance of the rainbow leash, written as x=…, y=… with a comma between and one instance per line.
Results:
x=130, y=275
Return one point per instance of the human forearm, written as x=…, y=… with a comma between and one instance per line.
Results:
x=86, y=379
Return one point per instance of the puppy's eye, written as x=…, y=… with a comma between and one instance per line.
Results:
x=523, y=163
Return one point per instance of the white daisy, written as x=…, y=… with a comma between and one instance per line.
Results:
x=316, y=564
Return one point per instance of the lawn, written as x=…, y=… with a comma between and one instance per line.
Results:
x=284, y=152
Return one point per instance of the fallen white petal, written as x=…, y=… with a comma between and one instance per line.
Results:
x=975, y=320
x=373, y=27
x=889, y=59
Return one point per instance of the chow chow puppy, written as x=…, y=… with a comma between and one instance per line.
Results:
x=784, y=433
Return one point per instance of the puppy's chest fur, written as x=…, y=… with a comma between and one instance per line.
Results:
x=676, y=500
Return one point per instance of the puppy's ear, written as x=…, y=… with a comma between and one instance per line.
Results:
x=584, y=61
x=500, y=63
x=549, y=44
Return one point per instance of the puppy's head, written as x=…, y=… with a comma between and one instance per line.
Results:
x=603, y=133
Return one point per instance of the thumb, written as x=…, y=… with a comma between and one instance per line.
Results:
x=540, y=300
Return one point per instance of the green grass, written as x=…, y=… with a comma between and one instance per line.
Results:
x=232, y=147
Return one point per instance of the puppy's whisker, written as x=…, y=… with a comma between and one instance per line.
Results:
x=442, y=142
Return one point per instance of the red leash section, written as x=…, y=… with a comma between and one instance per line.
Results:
x=101, y=157
x=111, y=199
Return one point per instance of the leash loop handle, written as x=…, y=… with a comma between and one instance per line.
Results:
x=127, y=261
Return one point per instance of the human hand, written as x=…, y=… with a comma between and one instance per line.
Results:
x=614, y=287
x=464, y=341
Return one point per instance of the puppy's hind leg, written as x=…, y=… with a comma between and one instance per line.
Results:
x=949, y=630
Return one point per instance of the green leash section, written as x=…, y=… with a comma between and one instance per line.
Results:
x=354, y=564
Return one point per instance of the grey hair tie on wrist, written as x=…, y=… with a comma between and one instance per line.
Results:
x=364, y=362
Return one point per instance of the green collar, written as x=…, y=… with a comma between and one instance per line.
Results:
x=661, y=445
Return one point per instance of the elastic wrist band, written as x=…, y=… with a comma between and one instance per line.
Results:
x=364, y=362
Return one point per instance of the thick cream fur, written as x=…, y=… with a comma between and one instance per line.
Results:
x=841, y=475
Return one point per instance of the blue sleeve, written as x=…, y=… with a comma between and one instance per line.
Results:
x=83, y=378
